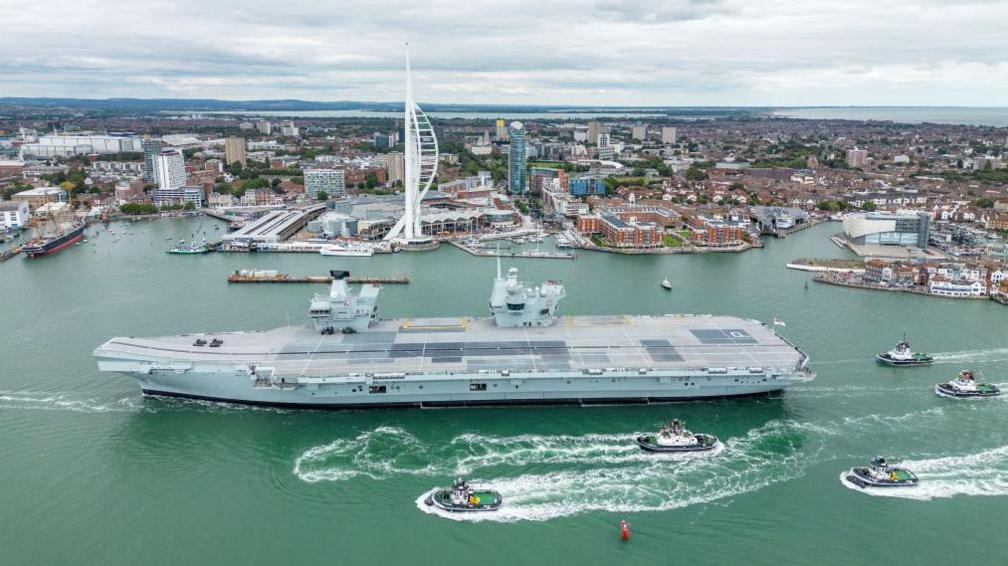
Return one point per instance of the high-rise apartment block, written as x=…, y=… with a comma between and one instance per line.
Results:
x=517, y=181
x=169, y=169
x=330, y=181
x=857, y=157
x=234, y=150
x=151, y=149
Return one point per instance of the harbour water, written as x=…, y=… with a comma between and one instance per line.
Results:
x=968, y=115
x=92, y=472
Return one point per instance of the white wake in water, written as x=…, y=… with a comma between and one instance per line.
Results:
x=981, y=474
x=65, y=402
x=972, y=356
x=546, y=476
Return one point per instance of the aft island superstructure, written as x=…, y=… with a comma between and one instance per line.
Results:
x=523, y=353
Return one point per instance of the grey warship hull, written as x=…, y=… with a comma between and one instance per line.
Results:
x=469, y=361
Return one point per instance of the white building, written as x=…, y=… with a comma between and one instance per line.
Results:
x=221, y=200
x=668, y=135
x=330, y=181
x=169, y=169
x=605, y=149
x=639, y=132
x=13, y=215
x=179, y=195
x=289, y=129
x=947, y=288
x=62, y=145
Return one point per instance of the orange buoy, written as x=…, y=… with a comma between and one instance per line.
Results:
x=624, y=530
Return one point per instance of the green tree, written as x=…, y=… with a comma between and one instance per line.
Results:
x=984, y=202
x=695, y=173
x=322, y=195
x=868, y=206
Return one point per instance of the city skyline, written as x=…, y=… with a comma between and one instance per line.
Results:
x=688, y=52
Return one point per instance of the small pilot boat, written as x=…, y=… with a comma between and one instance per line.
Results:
x=675, y=438
x=965, y=386
x=902, y=355
x=463, y=498
x=878, y=473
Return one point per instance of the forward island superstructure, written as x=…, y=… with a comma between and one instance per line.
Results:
x=524, y=353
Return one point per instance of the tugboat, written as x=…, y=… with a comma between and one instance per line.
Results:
x=674, y=437
x=902, y=355
x=965, y=386
x=462, y=498
x=878, y=473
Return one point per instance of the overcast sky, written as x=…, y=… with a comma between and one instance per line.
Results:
x=620, y=52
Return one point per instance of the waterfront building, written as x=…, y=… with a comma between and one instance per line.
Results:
x=129, y=192
x=668, y=135
x=14, y=215
x=330, y=181
x=169, y=169
x=946, y=288
x=39, y=196
x=179, y=195
x=621, y=233
x=234, y=150
x=857, y=157
x=151, y=149
x=709, y=231
x=888, y=228
x=517, y=181
x=65, y=145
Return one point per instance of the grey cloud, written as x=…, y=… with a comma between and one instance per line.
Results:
x=662, y=11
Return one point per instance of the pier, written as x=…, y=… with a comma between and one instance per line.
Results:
x=7, y=254
x=828, y=264
x=528, y=254
x=270, y=276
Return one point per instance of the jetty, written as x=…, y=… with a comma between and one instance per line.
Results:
x=833, y=265
x=528, y=254
x=272, y=276
x=7, y=254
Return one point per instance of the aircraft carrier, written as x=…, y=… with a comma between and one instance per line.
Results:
x=524, y=353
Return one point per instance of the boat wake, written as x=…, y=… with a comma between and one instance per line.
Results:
x=981, y=474
x=542, y=477
x=57, y=401
x=70, y=401
x=972, y=356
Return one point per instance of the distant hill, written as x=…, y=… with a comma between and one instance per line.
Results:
x=207, y=104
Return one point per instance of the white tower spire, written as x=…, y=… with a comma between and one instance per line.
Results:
x=421, y=160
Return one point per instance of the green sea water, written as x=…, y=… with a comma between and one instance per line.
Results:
x=92, y=472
